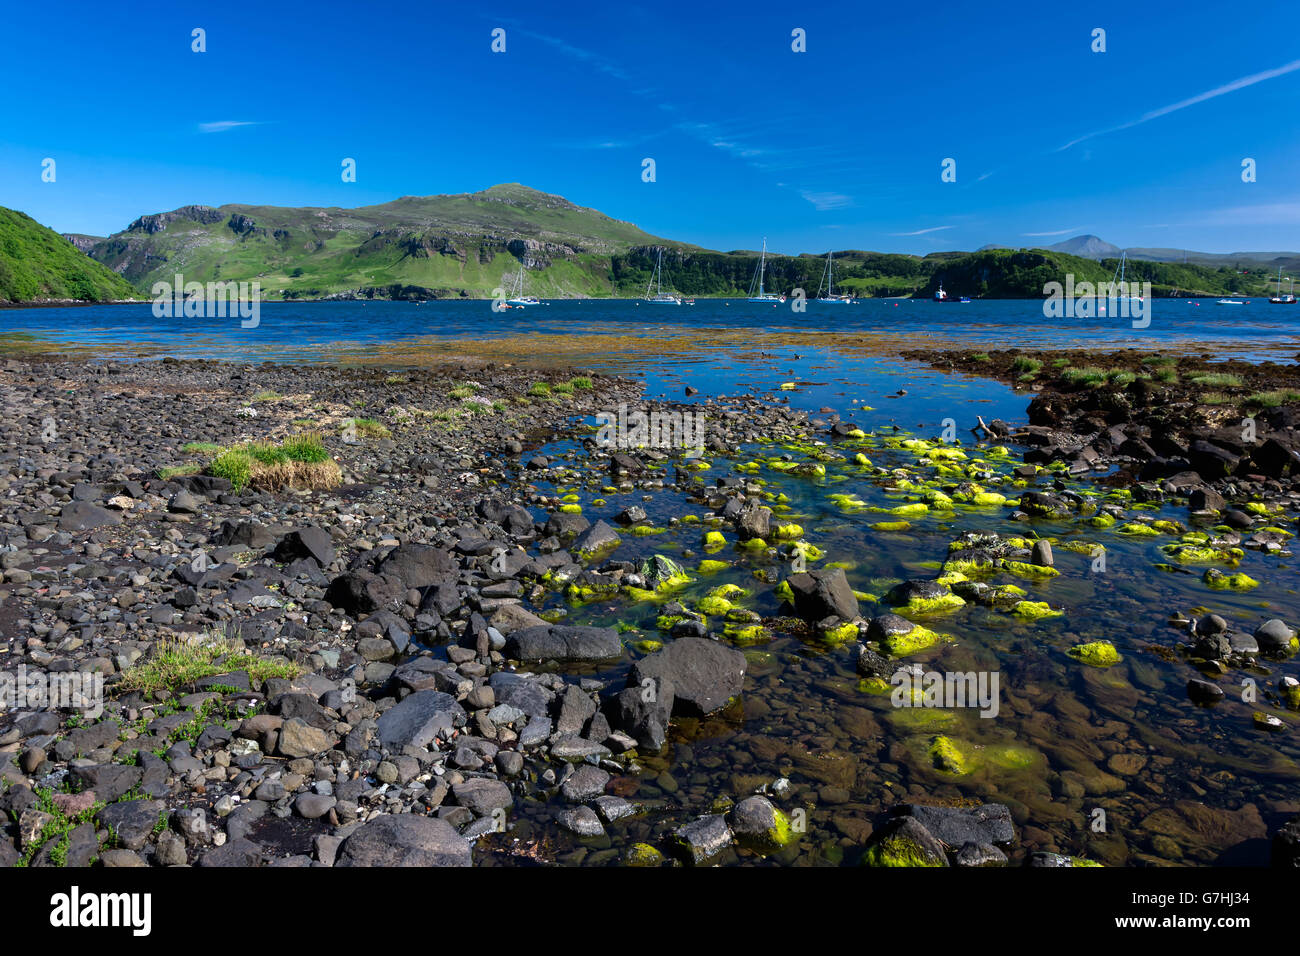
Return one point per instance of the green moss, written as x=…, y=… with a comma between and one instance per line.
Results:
x=1137, y=529
x=1026, y=570
x=713, y=606
x=714, y=541
x=948, y=756
x=1192, y=554
x=1229, y=582
x=648, y=645
x=709, y=567
x=747, y=633
x=920, y=606
x=847, y=631
x=1034, y=610
x=1096, y=653
x=891, y=526
x=917, y=639
x=643, y=854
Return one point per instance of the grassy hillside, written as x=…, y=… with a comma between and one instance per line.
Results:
x=37, y=263
x=468, y=245
x=435, y=245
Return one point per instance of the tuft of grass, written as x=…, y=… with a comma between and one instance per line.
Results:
x=539, y=390
x=1120, y=376
x=1060, y=363
x=1028, y=367
x=200, y=448
x=1272, y=399
x=582, y=383
x=1160, y=360
x=300, y=461
x=1215, y=398
x=177, y=664
x=307, y=447
x=1217, y=380
x=1087, y=375
x=235, y=466
x=367, y=427
x=564, y=388
x=177, y=471
x=395, y=380
x=1167, y=375
x=266, y=395
x=461, y=392
x=980, y=357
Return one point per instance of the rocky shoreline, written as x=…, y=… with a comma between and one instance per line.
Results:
x=317, y=676
x=342, y=659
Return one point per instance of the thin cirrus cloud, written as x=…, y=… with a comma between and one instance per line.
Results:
x=1056, y=232
x=222, y=126
x=823, y=201
x=739, y=147
x=1237, y=84
x=922, y=232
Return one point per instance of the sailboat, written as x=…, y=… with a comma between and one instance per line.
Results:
x=517, y=297
x=660, y=297
x=762, y=296
x=828, y=278
x=1280, y=299
x=1118, y=279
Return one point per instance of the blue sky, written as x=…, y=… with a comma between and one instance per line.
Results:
x=839, y=147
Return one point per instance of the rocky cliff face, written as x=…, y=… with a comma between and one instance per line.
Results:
x=82, y=242
x=204, y=215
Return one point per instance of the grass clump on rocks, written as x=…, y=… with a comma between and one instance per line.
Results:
x=366, y=428
x=300, y=461
x=179, y=663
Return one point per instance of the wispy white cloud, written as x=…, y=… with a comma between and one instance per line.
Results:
x=222, y=126
x=823, y=201
x=1056, y=232
x=922, y=232
x=1238, y=84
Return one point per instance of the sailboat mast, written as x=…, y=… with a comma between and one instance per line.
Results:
x=762, y=267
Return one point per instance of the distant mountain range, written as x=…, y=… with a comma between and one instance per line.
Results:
x=1091, y=247
x=472, y=245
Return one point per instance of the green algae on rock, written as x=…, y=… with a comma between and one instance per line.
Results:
x=1096, y=653
x=1240, y=581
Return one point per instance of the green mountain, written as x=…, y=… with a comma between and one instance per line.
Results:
x=414, y=247
x=471, y=244
x=38, y=264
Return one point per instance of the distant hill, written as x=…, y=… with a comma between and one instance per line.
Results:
x=1086, y=247
x=37, y=264
x=469, y=245
x=413, y=247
